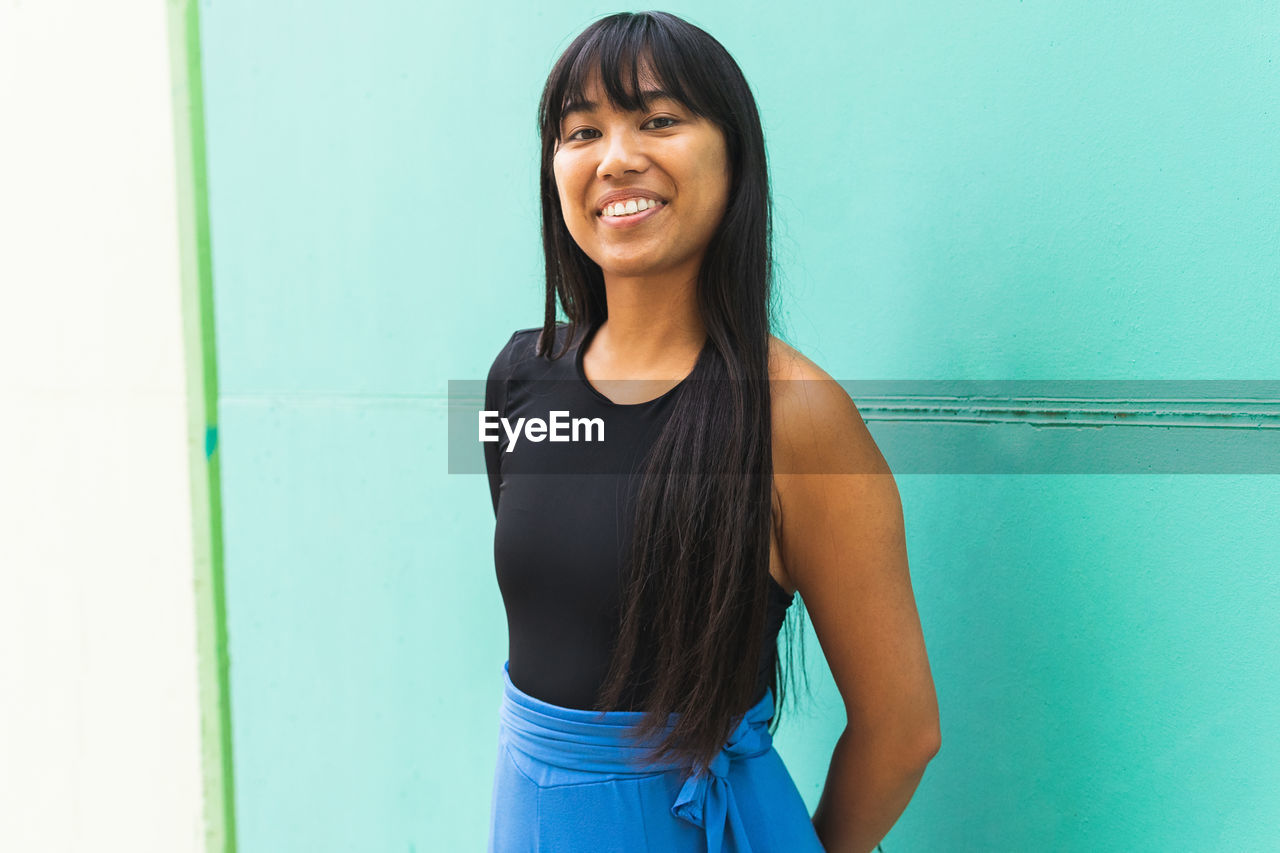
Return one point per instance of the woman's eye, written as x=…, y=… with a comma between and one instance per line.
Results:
x=577, y=134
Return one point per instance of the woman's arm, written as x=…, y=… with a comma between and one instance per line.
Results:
x=843, y=546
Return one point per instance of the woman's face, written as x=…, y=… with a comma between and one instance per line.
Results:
x=667, y=154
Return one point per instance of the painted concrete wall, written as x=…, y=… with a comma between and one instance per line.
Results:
x=100, y=732
x=991, y=191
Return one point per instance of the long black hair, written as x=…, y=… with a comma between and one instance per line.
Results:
x=693, y=609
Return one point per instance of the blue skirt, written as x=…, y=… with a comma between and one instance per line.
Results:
x=572, y=780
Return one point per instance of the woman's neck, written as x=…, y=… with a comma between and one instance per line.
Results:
x=649, y=327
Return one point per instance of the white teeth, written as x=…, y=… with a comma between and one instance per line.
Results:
x=630, y=206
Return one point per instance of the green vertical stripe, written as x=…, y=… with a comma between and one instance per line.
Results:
x=202, y=423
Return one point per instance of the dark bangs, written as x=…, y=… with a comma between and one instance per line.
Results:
x=617, y=49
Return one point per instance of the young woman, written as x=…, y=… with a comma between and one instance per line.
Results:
x=645, y=576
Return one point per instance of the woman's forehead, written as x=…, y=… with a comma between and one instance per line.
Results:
x=624, y=71
x=593, y=95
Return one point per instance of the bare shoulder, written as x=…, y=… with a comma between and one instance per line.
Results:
x=842, y=543
x=817, y=428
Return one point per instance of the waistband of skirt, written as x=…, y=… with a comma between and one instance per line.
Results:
x=605, y=741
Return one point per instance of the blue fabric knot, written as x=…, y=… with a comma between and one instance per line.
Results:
x=706, y=797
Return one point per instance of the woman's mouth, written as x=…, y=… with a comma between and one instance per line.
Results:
x=621, y=219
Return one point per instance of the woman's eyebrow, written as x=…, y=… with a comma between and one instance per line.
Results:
x=584, y=106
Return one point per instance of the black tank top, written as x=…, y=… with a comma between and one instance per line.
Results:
x=560, y=538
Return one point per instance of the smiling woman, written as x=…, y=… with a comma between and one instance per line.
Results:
x=646, y=579
x=657, y=150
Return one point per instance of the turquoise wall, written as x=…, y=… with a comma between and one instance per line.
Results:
x=996, y=190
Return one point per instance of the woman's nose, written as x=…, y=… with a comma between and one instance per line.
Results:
x=621, y=154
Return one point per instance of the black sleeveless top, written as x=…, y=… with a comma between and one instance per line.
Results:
x=559, y=540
